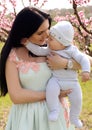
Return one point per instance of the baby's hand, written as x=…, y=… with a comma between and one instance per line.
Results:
x=85, y=76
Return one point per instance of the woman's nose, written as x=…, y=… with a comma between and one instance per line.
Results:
x=46, y=33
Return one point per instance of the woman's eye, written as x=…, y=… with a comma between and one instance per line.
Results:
x=40, y=33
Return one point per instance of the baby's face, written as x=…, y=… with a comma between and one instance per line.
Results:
x=54, y=44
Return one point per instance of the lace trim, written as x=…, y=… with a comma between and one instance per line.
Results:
x=23, y=66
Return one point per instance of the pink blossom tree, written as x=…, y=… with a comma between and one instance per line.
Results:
x=8, y=11
x=82, y=25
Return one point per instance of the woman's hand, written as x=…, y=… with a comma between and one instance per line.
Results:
x=55, y=61
x=64, y=93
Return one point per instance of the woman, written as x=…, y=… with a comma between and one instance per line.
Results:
x=24, y=76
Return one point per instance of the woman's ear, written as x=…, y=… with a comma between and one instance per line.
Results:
x=24, y=41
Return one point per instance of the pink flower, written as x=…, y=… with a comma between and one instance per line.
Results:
x=25, y=66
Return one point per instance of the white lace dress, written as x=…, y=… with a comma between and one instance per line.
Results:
x=34, y=116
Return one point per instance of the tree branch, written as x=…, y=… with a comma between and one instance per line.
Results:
x=81, y=24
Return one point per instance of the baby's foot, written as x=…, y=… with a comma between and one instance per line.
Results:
x=53, y=116
x=77, y=123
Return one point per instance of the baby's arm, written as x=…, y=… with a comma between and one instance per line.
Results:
x=84, y=61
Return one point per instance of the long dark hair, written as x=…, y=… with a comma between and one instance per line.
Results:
x=26, y=23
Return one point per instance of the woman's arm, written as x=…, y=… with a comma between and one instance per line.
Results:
x=18, y=94
x=55, y=62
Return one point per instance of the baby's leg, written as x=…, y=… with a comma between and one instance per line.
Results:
x=52, y=98
x=76, y=105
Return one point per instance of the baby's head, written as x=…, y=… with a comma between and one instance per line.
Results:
x=63, y=32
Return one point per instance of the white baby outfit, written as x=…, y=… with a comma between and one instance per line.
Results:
x=67, y=79
x=64, y=79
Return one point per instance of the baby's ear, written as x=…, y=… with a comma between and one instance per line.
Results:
x=24, y=41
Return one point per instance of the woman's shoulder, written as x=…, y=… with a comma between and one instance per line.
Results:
x=12, y=59
x=17, y=53
x=12, y=55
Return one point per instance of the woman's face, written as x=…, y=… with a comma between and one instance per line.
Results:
x=41, y=35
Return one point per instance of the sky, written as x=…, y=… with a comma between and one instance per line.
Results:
x=51, y=4
x=57, y=4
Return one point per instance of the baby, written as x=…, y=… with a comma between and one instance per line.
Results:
x=60, y=41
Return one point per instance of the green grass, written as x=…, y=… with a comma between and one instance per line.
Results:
x=86, y=115
x=1, y=45
x=5, y=104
